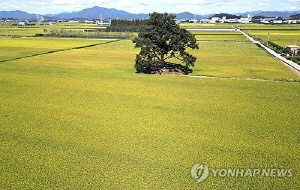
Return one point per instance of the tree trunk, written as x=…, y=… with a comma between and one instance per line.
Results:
x=162, y=60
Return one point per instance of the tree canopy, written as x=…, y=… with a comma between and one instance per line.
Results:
x=295, y=17
x=228, y=16
x=163, y=40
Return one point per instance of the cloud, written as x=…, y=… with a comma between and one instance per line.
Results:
x=263, y=3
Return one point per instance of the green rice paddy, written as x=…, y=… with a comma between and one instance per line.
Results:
x=83, y=119
x=219, y=36
x=201, y=25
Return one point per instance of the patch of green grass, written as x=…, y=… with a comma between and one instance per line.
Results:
x=219, y=36
x=200, y=25
x=214, y=33
x=84, y=119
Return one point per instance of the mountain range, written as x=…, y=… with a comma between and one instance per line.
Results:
x=94, y=13
x=284, y=14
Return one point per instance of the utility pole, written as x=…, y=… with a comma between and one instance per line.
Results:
x=294, y=49
x=10, y=31
x=87, y=31
x=5, y=29
x=268, y=38
x=24, y=30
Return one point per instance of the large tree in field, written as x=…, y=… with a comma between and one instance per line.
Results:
x=163, y=40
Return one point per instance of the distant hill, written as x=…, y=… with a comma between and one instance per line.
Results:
x=228, y=16
x=188, y=15
x=295, y=17
x=17, y=14
x=284, y=14
x=94, y=13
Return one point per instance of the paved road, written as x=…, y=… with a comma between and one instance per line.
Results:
x=295, y=67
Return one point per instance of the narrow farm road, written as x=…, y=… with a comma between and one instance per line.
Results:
x=236, y=78
x=295, y=67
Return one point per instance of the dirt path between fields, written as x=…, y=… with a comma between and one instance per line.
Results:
x=235, y=78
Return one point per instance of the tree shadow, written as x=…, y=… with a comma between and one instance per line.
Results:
x=174, y=67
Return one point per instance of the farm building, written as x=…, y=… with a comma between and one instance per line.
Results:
x=52, y=23
x=73, y=21
x=22, y=23
x=248, y=19
x=104, y=24
x=214, y=19
x=89, y=22
x=293, y=21
x=292, y=48
x=204, y=21
x=265, y=21
x=277, y=21
x=245, y=20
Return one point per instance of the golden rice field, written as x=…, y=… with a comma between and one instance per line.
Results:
x=83, y=119
x=21, y=47
x=13, y=29
x=268, y=26
x=241, y=60
x=281, y=38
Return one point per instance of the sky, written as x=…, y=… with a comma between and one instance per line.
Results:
x=147, y=6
